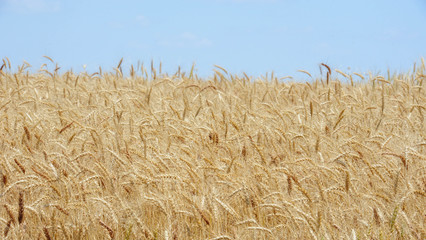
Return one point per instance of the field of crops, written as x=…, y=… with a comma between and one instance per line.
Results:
x=154, y=156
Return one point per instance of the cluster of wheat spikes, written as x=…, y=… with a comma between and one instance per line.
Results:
x=157, y=156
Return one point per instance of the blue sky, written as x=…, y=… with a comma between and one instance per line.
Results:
x=251, y=36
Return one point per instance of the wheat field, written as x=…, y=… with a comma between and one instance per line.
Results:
x=148, y=155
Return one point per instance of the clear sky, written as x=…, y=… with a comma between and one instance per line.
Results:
x=252, y=36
